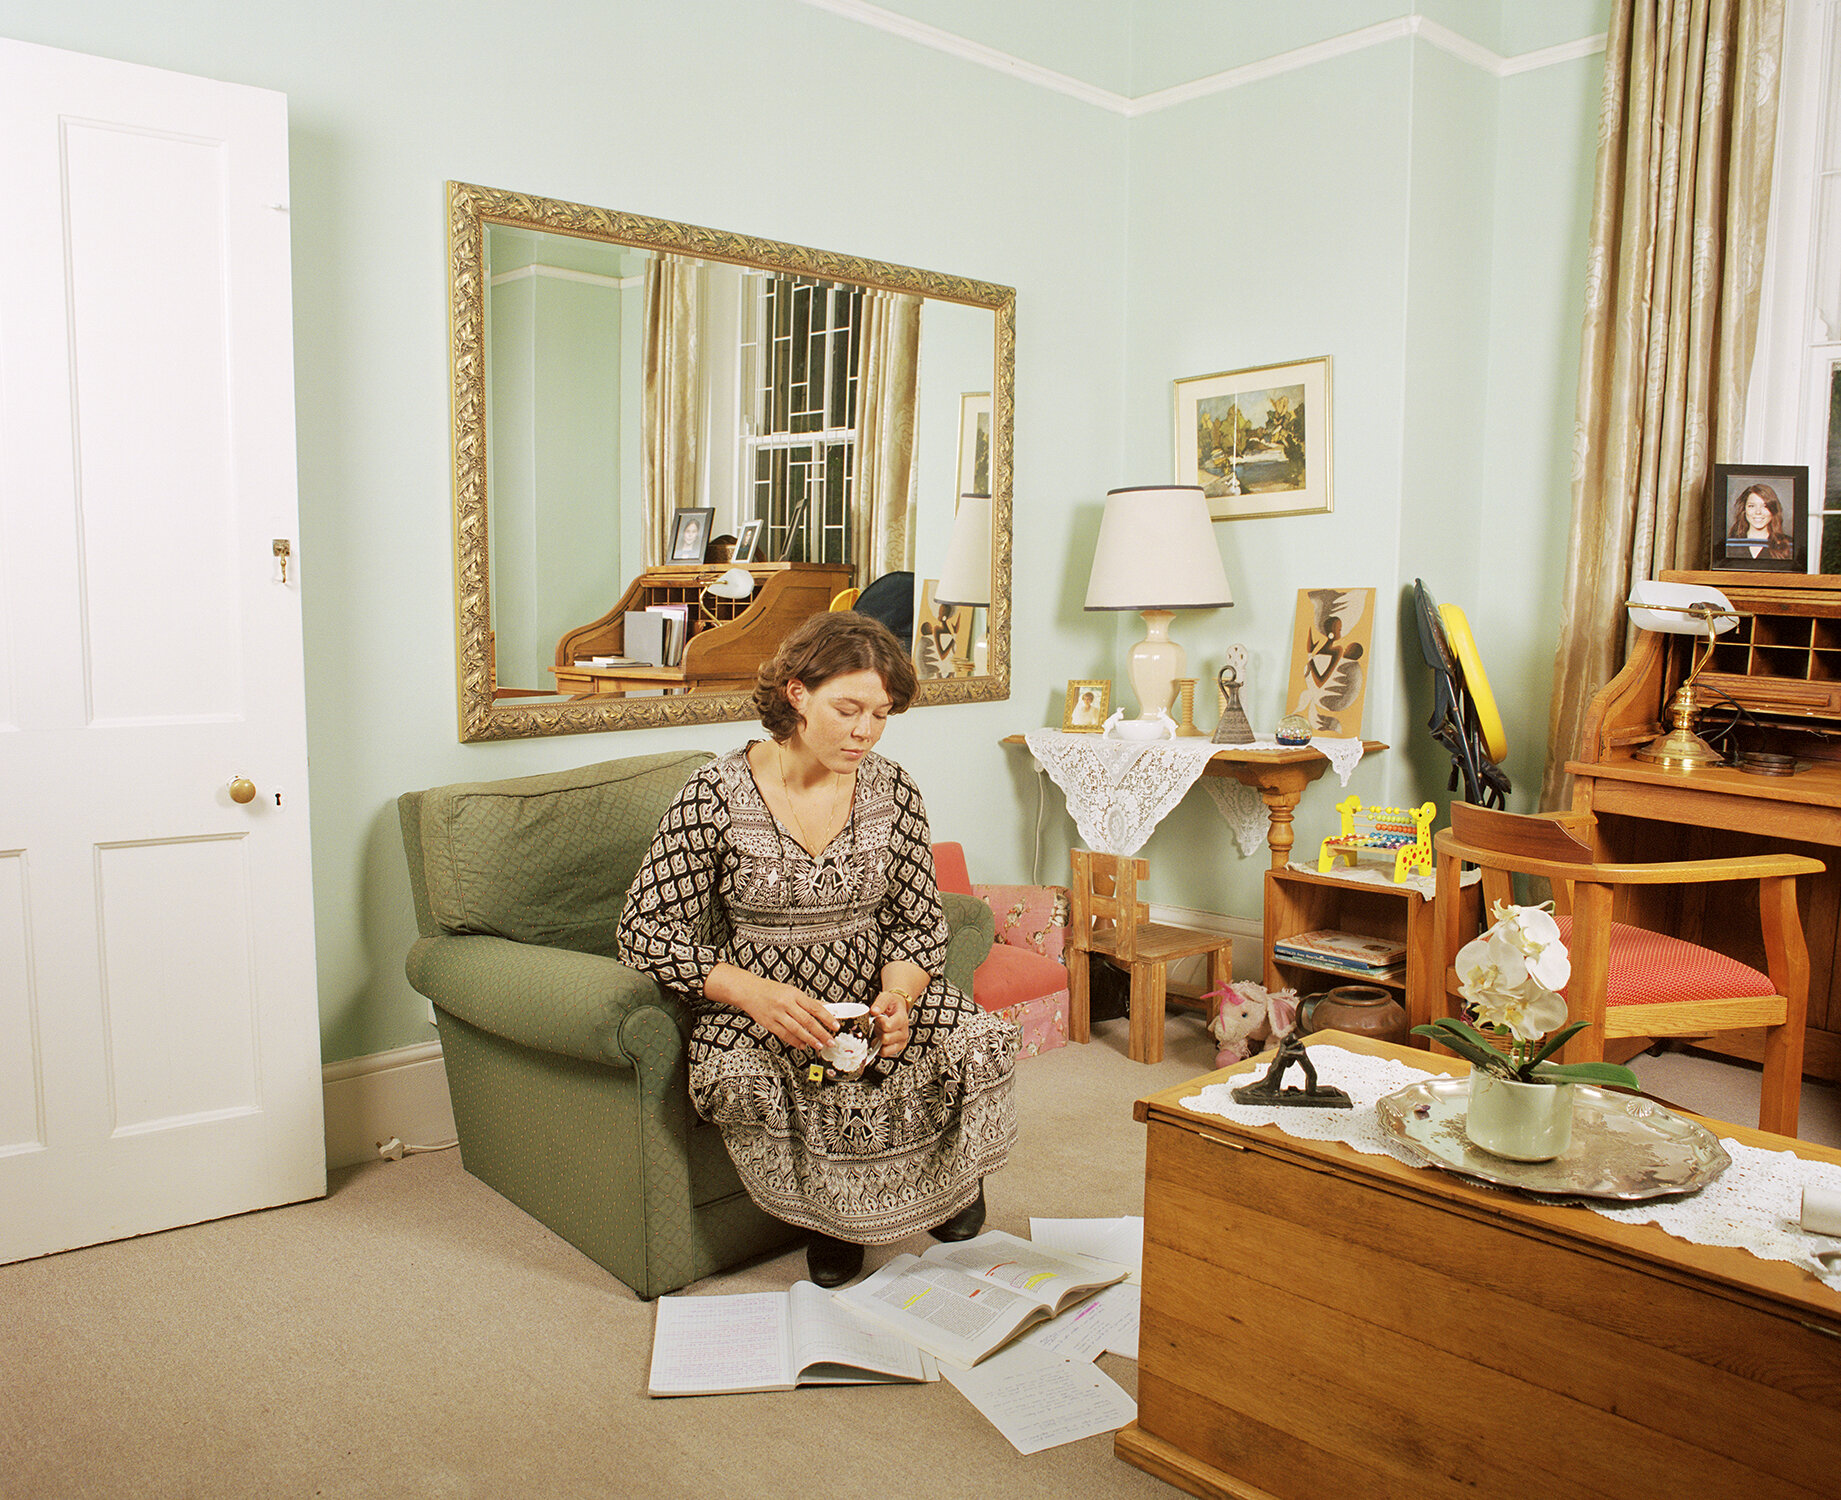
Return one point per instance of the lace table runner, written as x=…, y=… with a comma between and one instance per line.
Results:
x=1119, y=790
x=1755, y=1204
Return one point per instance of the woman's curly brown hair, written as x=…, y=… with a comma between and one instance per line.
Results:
x=826, y=646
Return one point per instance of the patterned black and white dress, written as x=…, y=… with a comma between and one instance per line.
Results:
x=870, y=1161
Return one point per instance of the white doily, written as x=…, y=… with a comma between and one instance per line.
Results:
x=1118, y=791
x=1382, y=874
x=1244, y=811
x=1754, y=1205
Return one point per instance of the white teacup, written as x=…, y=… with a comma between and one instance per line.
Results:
x=854, y=1047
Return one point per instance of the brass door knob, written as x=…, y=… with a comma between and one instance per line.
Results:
x=242, y=790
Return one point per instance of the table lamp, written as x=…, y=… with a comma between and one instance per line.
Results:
x=1681, y=609
x=966, y=577
x=1157, y=554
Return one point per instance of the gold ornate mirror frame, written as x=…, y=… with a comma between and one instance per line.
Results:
x=484, y=715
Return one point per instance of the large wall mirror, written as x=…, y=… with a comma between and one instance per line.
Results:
x=724, y=431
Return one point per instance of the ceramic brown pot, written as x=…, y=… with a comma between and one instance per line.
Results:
x=1360, y=1009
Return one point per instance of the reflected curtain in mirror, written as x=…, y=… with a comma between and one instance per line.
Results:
x=885, y=434
x=674, y=406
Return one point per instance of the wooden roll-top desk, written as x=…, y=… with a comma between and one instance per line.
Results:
x=728, y=638
x=1783, y=666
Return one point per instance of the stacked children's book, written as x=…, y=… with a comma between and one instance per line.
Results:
x=1015, y=1325
x=1348, y=952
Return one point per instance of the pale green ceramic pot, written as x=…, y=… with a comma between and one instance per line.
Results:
x=1522, y=1121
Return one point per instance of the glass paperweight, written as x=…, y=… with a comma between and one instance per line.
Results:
x=1293, y=729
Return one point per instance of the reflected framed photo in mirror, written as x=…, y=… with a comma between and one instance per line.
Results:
x=748, y=548
x=1759, y=518
x=690, y=533
x=975, y=443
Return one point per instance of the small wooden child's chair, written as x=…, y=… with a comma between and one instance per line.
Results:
x=1107, y=918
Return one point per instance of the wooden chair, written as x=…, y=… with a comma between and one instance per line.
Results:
x=1630, y=981
x=1106, y=917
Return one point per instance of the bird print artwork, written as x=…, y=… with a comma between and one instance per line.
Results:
x=1329, y=665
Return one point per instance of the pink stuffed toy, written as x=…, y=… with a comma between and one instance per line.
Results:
x=1243, y=1010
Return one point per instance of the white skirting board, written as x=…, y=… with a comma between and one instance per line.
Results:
x=400, y=1094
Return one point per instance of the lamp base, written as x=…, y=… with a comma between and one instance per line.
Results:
x=1156, y=662
x=1681, y=749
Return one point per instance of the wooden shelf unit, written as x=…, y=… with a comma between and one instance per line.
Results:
x=1304, y=901
x=728, y=638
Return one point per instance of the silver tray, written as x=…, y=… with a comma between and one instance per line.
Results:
x=1622, y=1147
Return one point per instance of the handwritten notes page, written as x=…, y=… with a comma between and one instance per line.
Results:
x=712, y=1344
x=1038, y=1401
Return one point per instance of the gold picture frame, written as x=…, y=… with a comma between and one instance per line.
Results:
x=1089, y=700
x=1257, y=441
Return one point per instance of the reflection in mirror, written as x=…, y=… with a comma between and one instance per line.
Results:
x=657, y=418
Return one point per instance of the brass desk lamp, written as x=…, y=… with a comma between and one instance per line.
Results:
x=1682, y=609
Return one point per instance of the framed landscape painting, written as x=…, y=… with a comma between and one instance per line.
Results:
x=1257, y=441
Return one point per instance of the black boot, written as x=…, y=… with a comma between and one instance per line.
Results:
x=965, y=1223
x=832, y=1262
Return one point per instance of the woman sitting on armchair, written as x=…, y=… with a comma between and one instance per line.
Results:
x=798, y=870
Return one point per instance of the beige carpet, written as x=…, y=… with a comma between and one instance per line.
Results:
x=413, y=1334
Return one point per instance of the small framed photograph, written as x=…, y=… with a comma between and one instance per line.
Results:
x=1087, y=706
x=975, y=443
x=748, y=549
x=1257, y=441
x=1759, y=517
x=690, y=533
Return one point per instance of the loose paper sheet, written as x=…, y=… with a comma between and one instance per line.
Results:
x=1038, y=1401
x=1118, y=1240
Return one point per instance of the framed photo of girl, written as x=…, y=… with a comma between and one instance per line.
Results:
x=1088, y=701
x=1759, y=518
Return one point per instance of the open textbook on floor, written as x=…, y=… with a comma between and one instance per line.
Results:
x=963, y=1301
x=772, y=1341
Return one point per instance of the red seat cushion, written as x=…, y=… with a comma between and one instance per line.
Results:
x=1649, y=968
x=1009, y=976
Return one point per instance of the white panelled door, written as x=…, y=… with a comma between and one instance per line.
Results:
x=159, y=1033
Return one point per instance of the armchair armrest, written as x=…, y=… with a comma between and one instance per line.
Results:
x=553, y=999
x=973, y=931
x=1694, y=871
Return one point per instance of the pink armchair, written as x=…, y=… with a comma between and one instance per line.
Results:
x=1023, y=978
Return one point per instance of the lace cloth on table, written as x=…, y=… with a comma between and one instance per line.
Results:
x=1119, y=790
x=1754, y=1205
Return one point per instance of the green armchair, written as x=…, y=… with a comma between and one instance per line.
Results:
x=566, y=1068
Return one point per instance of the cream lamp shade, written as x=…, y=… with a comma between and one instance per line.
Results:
x=1157, y=554
x=966, y=577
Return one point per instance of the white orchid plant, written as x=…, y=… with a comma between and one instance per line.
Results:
x=1510, y=978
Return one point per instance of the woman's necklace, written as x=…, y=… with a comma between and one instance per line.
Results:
x=805, y=834
x=827, y=878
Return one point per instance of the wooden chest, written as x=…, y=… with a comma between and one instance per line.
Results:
x=1322, y=1323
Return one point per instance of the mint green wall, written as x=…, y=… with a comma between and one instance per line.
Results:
x=1311, y=213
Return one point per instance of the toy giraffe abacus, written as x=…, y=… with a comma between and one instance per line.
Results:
x=1406, y=832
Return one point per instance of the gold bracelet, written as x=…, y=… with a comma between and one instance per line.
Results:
x=889, y=989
